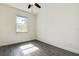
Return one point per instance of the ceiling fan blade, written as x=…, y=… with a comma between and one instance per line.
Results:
x=37, y=5
x=29, y=6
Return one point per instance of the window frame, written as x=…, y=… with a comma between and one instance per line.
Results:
x=26, y=23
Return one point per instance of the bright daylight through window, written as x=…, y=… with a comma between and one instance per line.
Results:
x=21, y=24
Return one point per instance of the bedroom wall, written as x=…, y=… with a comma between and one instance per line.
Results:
x=8, y=33
x=58, y=25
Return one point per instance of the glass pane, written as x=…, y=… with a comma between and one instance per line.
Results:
x=21, y=24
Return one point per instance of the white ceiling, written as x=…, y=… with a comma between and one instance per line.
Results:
x=24, y=6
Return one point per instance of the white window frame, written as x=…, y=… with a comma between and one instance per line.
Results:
x=18, y=29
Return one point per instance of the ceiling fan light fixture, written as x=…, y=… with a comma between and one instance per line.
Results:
x=32, y=4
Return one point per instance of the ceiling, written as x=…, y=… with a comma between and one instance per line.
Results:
x=24, y=6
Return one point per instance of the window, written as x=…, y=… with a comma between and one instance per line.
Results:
x=21, y=24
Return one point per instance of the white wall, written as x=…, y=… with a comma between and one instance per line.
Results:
x=58, y=24
x=8, y=33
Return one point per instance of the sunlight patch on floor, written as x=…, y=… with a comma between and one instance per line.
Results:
x=29, y=48
x=26, y=46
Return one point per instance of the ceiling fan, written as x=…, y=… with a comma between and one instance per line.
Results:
x=36, y=4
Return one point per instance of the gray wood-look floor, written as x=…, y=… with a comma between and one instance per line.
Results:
x=37, y=49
